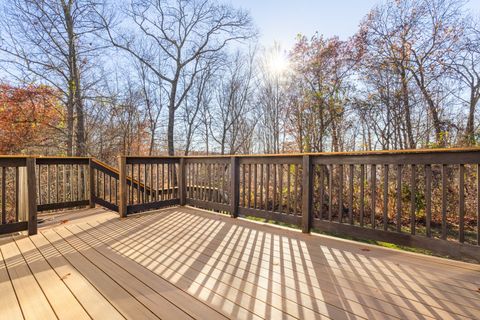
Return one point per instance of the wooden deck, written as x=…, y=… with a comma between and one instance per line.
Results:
x=183, y=263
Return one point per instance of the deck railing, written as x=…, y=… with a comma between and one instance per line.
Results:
x=427, y=199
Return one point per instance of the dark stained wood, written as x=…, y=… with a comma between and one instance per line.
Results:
x=413, y=190
x=4, y=195
x=399, y=198
x=478, y=204
x=307, y=194
x=271, y=216
x=182, y=185
x=32, y=196
x=461, y=204
x=428, y=199
x=444, y=202
x=362, y=194
x=374, y=194
x=234, y=186
x=330, y=192
x=62, y=205
x=122, y=186
x=385, y=197
x=13, y=227
x=141, y=207
x=350, y=193
x=340, y=193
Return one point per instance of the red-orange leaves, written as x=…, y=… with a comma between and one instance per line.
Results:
x=27, y=116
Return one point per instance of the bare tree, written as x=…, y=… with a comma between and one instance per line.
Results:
x=52, y=42
x=230, y=120
x=172, y=38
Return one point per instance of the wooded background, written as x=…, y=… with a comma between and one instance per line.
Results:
x=156, y=77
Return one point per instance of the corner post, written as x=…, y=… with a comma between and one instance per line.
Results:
x=182, y=187
x=122, y=186
x=32, y=196
x=235, y=186
x=307, y=186
x=91, y=183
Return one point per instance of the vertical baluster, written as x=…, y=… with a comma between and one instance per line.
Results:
x=350, y=197
x=243, y=193
x=267, y=190
x=152, y=191
x=132, y=176
x=428, y=199
x=330, y=192
x=374, y=194
x=280, y=188
x=4, y=196
x=444, y=201
x=340, y=194
x=139, y=199
x=413, y=190
x=385, y=197
x=156, y=182
x=57, y=184
x=288, y=189
x=17, y=192
x=249, y=185
x=225, y=181
x=64, y=182
x=274, y=190
x=104, y=176
x=195, y=180
x=209, y=194
x=295, y=190
x=321, y=187
x=79, y=182
x=263, y=186
x=255, y=185
x=478, y=204
x=169, y=186
x=399, y=198
x=39, y=185
x=461, y=205
x=71, y=183
x=362, y=194
x=145, y=185
x=48, y=184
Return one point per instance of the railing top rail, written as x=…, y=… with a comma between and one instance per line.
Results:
x=352, y=153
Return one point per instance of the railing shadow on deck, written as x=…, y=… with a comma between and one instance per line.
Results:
x=241, y=269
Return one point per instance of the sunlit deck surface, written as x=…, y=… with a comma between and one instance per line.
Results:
x=181, y=263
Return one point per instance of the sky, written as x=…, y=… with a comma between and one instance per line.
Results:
x=281, y=20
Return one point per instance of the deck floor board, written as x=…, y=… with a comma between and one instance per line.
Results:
x=184, y=263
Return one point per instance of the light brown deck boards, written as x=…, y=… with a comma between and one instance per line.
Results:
x=360, y=295
x=32, y=300
x=405, y=312
x=9, y=306
x=59, y=296
x=97, y=306
x=182, y=262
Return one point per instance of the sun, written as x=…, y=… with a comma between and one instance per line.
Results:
x=278, y=63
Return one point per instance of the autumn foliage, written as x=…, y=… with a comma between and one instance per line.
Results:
x=28, y=117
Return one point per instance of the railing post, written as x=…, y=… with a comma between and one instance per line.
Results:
x=307, y=179
x=91, y=183
x=235, y=185
x=182, y=188
x=32, y=196
x=122, y=186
